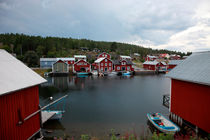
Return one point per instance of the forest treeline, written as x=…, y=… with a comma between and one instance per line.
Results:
x=30, y=48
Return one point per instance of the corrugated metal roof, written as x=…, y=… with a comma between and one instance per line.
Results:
x=151, y=62
x=48, y=59
x=66, y=59
x=14, y=75
x=125, y=57
x=99, y=60
x=118, y=62
x=79, y=56
x=175, y=62
x=196, y=69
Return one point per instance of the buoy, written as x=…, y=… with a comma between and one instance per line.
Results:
x=51, y=98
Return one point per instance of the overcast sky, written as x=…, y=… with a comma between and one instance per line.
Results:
x=181, y=25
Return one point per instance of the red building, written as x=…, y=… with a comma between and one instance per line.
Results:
x=102, y=55
x=190, y=91
x=19, y=98
x=81, y=66
x=155, y=65
x=103, y=65
x=173, y=63
x=164, y=55
x=151, y=58
x=123, y=65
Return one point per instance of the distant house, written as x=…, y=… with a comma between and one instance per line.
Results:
x=173, y=63
x=190, y=91
x=68, y=60
x=19, y=99
x=151, y=58
x=103, y=64
x=123, y=65
x=81, y=66
x=155, y=65
x=60, y=67
x=164, y=55
x=136, y=54
x=123, y=57
x=47, y=62
x=175, y=57
x=80, y=57
x=104, y=54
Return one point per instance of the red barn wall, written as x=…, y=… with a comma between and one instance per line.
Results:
x=149, y=67
x=104, y=55
x=191, y=102
x=78, y=66
x=171, y=66
x=105, y=64
x=27, y=100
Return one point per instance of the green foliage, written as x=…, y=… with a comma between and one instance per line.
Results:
x=162, y=136
x=31, y=58
x=65, y=47
x=85, y=137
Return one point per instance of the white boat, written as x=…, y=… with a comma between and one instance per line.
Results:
x=95, y=73
x=162, y=123
x=57, y=114
x=113, y=73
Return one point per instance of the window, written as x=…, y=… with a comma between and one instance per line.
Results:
x=105, y=55
x=105, y=60
x=118, y=68
x=128, y=68
x=101, y=69
x=110, y=64
x=101, y=64
x=105, y=64
x=45, y=63
x=110, y=68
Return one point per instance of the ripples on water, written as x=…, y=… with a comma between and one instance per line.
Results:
x=96, y=105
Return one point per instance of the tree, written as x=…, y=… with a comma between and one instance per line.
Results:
x=31, y=58
x=113, y=47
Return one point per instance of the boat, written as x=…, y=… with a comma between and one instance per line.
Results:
x=82, y=73
x=58, y=114
x=95, y=73
x=162, y=123
x=126, y=73
x=113, y=73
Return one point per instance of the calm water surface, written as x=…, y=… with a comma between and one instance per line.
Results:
x=96, y=105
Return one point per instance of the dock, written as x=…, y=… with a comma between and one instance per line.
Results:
x=46, y=115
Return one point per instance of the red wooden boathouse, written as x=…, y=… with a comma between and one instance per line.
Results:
x=123, y=65
x=81, y=66
x=190, y=90
x=104, y=54
x=19, y=98
x=155, y=65
x=103, y=65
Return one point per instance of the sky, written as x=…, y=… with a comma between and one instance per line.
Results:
x=179, y=25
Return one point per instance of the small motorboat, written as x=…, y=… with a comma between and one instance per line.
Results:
x=113, y=73
x=82, y=73
x=126, y=73
x=162, y=123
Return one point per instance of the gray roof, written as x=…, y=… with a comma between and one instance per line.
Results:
x=14, y=75
x=175, y=62
x=196, y=69
x=151, y=62
x=118, y=62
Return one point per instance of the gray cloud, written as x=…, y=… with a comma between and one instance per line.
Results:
x=153, y=21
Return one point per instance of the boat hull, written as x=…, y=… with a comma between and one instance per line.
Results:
x=168, y=128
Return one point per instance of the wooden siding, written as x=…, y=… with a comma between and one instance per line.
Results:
x=27, y=102
x=191, y=102
x=82, y=66
x=60, y=67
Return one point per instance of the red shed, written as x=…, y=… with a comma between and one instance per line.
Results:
x=173, y=63
x=123, y=65
x=104, y=54
x=82, y=66
x=103, y=65
x=19, y=98
x=155, y=65
x=190, y=90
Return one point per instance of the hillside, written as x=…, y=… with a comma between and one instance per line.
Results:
x=30, y=48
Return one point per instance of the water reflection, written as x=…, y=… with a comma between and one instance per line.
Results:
x=97, y=104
